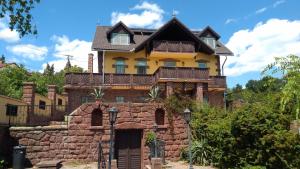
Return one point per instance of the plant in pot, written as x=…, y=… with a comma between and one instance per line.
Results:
x=98, y=94
x=150, y=142
x=154, y=95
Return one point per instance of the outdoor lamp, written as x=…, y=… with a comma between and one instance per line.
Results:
x=113, y=112
x=187, y=115
x=155, y=127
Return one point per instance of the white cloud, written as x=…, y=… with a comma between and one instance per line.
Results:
x=29, y=51
x=261, y=10
x=151, y=16
x=278, y=3
x=230, y=20
x=257, y=47
x=79, y=49
x=6, y=34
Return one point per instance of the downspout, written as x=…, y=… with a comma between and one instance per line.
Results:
x=224, y=90
x=103, y=61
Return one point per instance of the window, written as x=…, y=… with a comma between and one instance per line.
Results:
x=170, y=63
x=11, y=110
x=141, y=67
x=42, y=105
x=59, y=102
x=120, y=39
x=160, y=116
x=202, y=65
x=87, y=99
x=96, y=117
x=120, y=99
x=120, y=66
x=210, y=41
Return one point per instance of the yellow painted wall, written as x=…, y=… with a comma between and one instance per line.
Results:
x=21, y=114
x=64, y=103
x=155, y=61
x=37, y=110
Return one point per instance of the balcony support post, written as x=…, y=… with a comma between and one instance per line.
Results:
x=169, y=89
x=199, y=92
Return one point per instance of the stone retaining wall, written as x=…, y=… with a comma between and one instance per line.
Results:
x=79, y=139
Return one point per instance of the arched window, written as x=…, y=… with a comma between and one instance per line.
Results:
x=97, y=117
x=160, y=116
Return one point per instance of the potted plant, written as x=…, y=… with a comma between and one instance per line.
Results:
x=98, y=94
x=154, y=95
x=150, y=142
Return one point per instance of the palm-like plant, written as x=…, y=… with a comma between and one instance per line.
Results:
x=154, y=94
x=98, y=93
x=201, y=152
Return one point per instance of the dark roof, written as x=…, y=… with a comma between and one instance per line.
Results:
x=209, y=29
x=122, y=25
x=184, y=28
x=141, y=35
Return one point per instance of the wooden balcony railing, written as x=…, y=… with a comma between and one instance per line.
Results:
x=161, y=74
x=174, y=46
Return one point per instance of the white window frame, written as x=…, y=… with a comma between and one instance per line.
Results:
x=206, y=40
x=116, y=39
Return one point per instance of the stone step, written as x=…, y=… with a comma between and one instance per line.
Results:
x=58, y=123
x=53, y=164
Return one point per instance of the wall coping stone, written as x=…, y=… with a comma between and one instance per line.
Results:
x=52, y=127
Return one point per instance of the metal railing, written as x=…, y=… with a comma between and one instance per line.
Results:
x=90, y=79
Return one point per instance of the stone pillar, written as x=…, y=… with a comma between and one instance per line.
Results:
x=114, y=164
x=156, y=163
x=90, y=63
x=66, y=96
x=28, y=97
x=52, y=97
x=199, y=92
x=169, y=89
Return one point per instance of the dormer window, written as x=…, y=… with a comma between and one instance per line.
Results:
x=120, y=39
x=210, y=42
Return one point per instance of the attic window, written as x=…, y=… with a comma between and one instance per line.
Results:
x=120, y=39
x=210, y=42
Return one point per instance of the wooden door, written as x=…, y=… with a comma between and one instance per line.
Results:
x=128, y=149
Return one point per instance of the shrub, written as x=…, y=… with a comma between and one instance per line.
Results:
x=150, y=137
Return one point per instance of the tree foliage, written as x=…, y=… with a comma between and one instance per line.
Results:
x=19, y=13
x=12, y=78
x=289, y=67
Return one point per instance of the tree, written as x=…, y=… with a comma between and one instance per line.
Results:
x=19, y=13
x=289, y=67
x=2, y=58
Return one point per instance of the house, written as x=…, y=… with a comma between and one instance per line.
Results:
x=33, y=108
x=130, y=62
x=3, y=65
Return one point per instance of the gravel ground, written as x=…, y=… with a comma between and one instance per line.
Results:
x=175, y=165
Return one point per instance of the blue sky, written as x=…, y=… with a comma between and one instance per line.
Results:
x=255, y=30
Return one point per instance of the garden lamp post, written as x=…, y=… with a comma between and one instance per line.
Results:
x=113, y=112
x=187, y=117
x=155, y=126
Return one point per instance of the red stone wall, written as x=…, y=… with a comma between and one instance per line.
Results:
x=79, y=140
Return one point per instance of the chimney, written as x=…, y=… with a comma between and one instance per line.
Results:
x=90, y=63
x=52, y=97
x=29, y=96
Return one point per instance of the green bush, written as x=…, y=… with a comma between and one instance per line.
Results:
x=252, y=136
x=150, y=137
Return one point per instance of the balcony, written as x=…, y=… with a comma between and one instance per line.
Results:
x=174, y=46
x=163, y=74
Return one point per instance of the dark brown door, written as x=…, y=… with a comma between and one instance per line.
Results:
x=128, y=149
